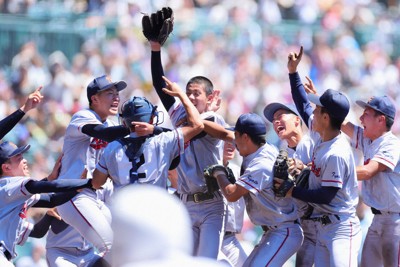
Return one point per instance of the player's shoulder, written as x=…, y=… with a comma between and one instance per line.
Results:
x=213, y=116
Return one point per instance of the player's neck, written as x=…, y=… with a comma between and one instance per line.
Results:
x=294, y=139
x=329, y=134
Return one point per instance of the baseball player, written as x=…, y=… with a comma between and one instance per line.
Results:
x=11, y=120
x=18, y=192
x=231, y=247
x=277, y=216
x=333, y=188
x=288, y=126
x=380, y=176
x=153, y=155
x=205, y=208
x=68, y=249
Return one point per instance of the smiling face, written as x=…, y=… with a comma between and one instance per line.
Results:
x=16, y=166
x=285, y=123
x=197, y=95
x=105, y=103
x=229, y=150
x=370, y=120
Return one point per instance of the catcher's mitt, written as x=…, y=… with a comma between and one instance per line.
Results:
x=286, y=181
x=302, y=178
x=157, y=26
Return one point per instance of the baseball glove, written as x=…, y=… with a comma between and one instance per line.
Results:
x=158, y=26
x=302, y=178
x=281, y=174
x=209, y=175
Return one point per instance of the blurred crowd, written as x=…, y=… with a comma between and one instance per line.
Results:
x=350, y=45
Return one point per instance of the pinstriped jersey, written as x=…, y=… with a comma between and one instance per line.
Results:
x=14, y=203
x=199, y=153
x=382, y=191
x=262, y=206
x=81, y=151
x=158, y=153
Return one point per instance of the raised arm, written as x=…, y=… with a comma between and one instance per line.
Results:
x=194, y=122
x=299, y=94
x=10, y=121
x=157, y=74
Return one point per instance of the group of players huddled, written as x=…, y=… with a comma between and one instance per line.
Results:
x=304, y=197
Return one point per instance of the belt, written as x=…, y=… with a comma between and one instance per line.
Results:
x=6, y=253
x=324, y=220
x=199, y=197
x=266, y=227
x=378, y=212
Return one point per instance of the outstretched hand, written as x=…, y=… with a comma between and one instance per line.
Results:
x=309, y=86
x=33, y=100
x=294, y=60
x=143, y=128
x=172, y=89
x=215, y=102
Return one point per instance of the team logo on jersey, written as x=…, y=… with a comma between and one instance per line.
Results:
x=98, y=144
x=252, y=180
x=335, y=176
x=314, y=169
x=22, y=212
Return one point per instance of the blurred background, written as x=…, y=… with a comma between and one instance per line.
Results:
x=242, y=46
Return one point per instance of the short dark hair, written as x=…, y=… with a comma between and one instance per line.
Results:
x=258, y=140
x=208, y=85
x=335, y=123
x=389, y=121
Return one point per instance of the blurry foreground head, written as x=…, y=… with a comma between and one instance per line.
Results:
x=149, y=224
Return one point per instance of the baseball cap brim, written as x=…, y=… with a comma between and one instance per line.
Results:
x=270, y=110
x=364, y=104
x=19, y=150
x=121, y=85
x=314, y=99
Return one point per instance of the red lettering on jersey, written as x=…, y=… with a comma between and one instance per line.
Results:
x=314, y=169
x=22, y=212
x=98, y=144
x=366, y=161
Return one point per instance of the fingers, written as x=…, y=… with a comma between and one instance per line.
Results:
x=300, y=53
x=168, y=82
x=39, y=88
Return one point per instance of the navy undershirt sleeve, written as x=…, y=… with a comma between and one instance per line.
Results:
x=64, y=185
x=102, y=132
x=54, y=199
x=323, y=195
x=299, y=96
x=10, y=121
x=158, y=82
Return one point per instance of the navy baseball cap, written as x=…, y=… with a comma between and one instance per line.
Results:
x=103, y=83
x=383, y=104
x=335, y=102
x=251, y=124
x=138, y=109
x=270, y=110
x=9, y=150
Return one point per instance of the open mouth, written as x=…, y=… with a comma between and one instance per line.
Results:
x=280, y=129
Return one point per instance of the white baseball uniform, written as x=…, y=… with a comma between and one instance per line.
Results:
x=381, y=192
x=14, y=226
x=158, y=152
x=208, y=215
x=277, y=216
x=339, y=236
x=82, y=151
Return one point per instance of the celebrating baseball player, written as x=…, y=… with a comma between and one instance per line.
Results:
x=333, y=188
x=18, y=192
x=11, y=120
x=380, y=176
x=277, y=216
x=288, y=126
x=205, y=205
x=146, y=160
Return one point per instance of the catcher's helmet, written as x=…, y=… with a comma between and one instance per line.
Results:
x=137, y=109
